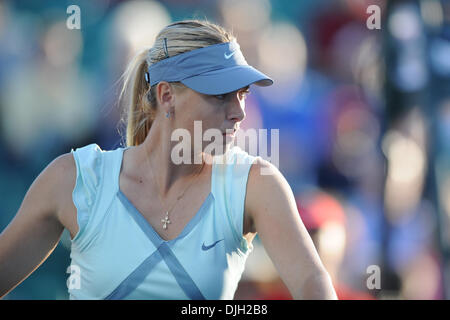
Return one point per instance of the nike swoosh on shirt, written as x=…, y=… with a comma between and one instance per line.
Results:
x=228, y=56
x=204, y=248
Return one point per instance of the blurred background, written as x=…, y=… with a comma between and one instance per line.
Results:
x=363, y=114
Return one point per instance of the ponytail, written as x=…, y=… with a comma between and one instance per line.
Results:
x=136, y=96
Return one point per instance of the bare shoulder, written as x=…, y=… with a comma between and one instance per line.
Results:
x=262, y=168
x=56, y=183
x=267, y=188
x=64, y=167
x=61, y=173
x=64, y=173
x=265, y=177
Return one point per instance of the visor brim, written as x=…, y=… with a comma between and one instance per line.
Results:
x=227, y=80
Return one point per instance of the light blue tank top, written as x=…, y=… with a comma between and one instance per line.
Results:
x=116, y=253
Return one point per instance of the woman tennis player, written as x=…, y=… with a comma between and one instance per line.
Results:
x=145, y=227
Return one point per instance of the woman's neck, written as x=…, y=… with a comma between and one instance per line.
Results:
x=154, y=156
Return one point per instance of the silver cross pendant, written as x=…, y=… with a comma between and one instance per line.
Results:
x=166, y=220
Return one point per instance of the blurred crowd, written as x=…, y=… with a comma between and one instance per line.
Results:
x=363, y=117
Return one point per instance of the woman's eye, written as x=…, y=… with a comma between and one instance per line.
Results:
x=242, y=95
x=221, y=96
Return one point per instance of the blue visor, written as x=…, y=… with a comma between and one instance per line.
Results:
x=216, y=69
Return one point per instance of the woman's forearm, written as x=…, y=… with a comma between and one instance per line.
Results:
x=316, y=287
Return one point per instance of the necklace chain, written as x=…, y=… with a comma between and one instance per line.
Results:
x=166, y=219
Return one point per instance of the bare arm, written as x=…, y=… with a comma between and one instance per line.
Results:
x=271, y=205
x=36, y=229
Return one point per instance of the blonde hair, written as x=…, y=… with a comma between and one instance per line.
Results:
x=137, y=98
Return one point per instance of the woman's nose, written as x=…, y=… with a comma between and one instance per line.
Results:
x=236, y=108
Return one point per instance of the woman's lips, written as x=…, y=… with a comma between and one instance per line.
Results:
x=229, y=134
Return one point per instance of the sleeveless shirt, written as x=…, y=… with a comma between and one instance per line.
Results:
x=117, y=254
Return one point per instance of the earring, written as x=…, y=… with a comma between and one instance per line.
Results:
x=168, y=115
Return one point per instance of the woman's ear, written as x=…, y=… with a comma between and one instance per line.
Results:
x=165, y=94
